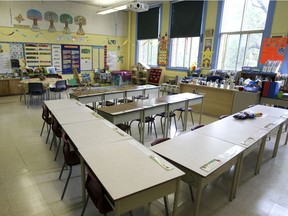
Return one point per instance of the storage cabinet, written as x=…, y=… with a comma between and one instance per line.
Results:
x=219, y=101
x=9, y=87
x=139, y=74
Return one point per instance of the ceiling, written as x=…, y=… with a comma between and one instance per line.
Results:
x=108, y=3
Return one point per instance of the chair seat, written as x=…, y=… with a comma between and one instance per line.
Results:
x=107, y=103
x=124, y=127
x=73, y=159
x=127, y=100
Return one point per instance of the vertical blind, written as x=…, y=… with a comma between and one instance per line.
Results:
x=186, y=19
x=148, y=24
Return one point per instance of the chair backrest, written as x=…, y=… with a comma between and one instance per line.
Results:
x=35, y=88
x=45, y=113
x=159, y=140
x=56, y=128
x=61, y=84
x=66, y=147
x=97, y=193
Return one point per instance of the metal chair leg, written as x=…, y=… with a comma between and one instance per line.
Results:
x=42, y=128
x=48, y=134
x=67, y=181
x=61, y=171
x=166, y=205
x=191, y=192
x=59, y=144
x=85, y=205
x=53, y=138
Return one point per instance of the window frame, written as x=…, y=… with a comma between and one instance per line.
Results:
x=217, y=37
x=204, y=12
x=159, y=30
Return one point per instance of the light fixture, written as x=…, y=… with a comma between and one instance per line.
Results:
x=112, y=9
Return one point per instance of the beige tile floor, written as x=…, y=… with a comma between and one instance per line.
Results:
x=29, y=182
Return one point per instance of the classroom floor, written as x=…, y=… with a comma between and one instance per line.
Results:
x=29, y=182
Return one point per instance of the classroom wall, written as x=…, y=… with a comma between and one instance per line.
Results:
x=279, y=25
x=99, y=30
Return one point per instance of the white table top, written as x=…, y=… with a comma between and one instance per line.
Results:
x=76, y=114
x=94, y=133
x=266, y=122
x=231, y=131
x=129, y=162
x=267, y=110
x=62, y=104
x=194, y=150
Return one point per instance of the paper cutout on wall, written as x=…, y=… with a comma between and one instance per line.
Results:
x=163, y=50
x=273, y=49
x=36, y=16
x=80, y=21
x=66, y=19
x=51, y=17
x=207, y=54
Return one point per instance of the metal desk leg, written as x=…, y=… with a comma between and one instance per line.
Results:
x=277, y=140
x=236, y=177
x=185, y=116
x=201, y=111
x=83, y=178
x=197, y=199
x=176, y=196
x=260, y=155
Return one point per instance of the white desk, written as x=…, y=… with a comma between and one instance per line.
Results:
x=88, y=134
x=129, y=175
x=275, y=112
x=62, y=104
x=190, y=151
x=265, y=122
x=76, y=114
x=114, y=92
x=246, y=136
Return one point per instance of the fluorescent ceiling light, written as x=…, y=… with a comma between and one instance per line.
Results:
x=112, y=9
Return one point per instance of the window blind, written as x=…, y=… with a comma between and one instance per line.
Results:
x=148, y=23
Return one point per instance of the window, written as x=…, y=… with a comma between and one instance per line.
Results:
x=241, y=33
x=147, y=34
x=148, y=51
x=186, y=21
x=184, y=51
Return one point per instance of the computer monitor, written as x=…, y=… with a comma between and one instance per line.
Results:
x=51, y=70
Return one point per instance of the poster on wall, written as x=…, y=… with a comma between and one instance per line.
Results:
x=112, y=60
x=70, y=57
x=5, y=63
x=163, y=50
x=86, y=58
x=207, y=53
x=56, y=57
x=273, y=49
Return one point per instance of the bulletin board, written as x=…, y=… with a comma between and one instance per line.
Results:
x=70, y=57
x=273, y=49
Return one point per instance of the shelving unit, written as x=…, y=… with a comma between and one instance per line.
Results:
x=38, y=55
x=140, y=74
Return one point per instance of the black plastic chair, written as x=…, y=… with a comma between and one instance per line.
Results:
x=97, y=194
x=70, y=159
x=46, y=120
x=171, y=115
x=181, y=110
x=57, y=133
x=124, y=127
x=60, y=86
x=35, y=89
x=150, y=121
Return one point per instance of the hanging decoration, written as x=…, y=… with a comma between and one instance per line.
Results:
x=163, y=50
x=207, y=53
x=120, y=59
x=19, y=18
x=66, y=19
x=8, y=34
x=111, y=42
x=105, y=56
x=51, y=17
x=80, y=20
x=36, y=16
